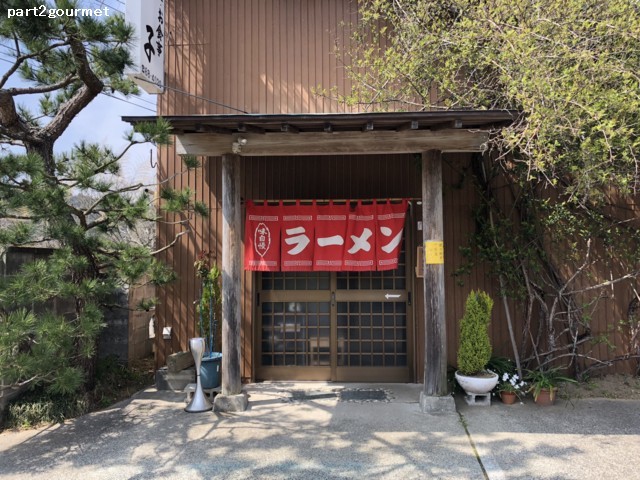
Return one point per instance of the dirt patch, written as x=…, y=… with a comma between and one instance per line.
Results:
x=609, y=386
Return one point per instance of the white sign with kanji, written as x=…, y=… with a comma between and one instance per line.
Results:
x=147, y=52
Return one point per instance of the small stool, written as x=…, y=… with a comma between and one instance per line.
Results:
x=190, y=389
x=478, y=400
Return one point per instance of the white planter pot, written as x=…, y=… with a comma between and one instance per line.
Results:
x=477, y=385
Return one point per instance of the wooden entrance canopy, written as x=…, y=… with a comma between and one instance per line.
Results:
x=429, y=133
x=332, y=134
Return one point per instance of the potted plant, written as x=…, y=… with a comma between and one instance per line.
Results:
x=510, y=387
x=474, y=351
x=208, y=311
x=544, y=384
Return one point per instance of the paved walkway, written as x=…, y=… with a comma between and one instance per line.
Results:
x=593, y=439
x=321, y=436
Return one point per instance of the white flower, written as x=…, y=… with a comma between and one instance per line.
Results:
x=505, y=377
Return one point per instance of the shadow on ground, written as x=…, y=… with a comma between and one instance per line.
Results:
x=152, y=437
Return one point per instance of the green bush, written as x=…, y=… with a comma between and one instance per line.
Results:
x=115, y=381
x=474, y=351
x=39, y=407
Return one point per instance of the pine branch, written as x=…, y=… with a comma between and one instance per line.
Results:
x=175, y=240
x=44, y=88
x=105, y=166
x=91, y=89
x=22, y=58
x=14, y=143
x=11, y=125
x=16, y=217
x=91, y=209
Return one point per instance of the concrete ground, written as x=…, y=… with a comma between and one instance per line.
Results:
x=150, y=436
x=583, y=439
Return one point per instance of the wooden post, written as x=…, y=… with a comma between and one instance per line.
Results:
x=231, y=266
x=435, y=359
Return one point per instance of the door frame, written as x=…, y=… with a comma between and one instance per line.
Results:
x=333, y=372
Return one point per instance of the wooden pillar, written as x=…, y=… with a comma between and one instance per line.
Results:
x=435, y=358
x=231, y=275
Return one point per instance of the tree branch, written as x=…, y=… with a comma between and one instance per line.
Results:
x=44, y=88
x=628, y=276
x=91, y=89
x=22, y=58
x=175, y=240
x=11, y=125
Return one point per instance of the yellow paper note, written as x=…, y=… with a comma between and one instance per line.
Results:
x=434, y=252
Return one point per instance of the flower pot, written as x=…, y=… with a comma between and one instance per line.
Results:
x=546, y=397
x=210, y=370
x=477, y=385
x=508, y=398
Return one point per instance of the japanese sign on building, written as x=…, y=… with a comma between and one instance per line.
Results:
x=262, y=238
x=147, y=52
x=324, y=237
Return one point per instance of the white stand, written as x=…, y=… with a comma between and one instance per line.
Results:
x=199, y=402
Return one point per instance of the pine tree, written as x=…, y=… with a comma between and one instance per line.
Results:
x=67, y=62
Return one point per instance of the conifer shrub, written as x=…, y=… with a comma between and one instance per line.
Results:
x=474, y=350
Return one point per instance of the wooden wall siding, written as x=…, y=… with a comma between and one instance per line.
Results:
x=176, y=307
x=608, y=308
x=259, y=56
x=336, y=177
x=460, y=200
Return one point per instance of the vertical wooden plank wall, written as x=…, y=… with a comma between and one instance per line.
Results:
x=257, y=56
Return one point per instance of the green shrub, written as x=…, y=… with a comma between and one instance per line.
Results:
x=114, y=382
x=474, y=351
x=38, y=407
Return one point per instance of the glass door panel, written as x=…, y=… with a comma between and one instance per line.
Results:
x=342, y=326
x=295, y=334
x=373, y=334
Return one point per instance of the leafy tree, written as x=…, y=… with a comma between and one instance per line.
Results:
x=66, y=62
x=570, y=158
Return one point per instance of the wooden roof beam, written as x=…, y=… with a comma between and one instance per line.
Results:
x=246, y=128
x=338, y=143
x=200, y=128
x=287, y=128
x=455, y=124
x=368, y=127
x=412, y=125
